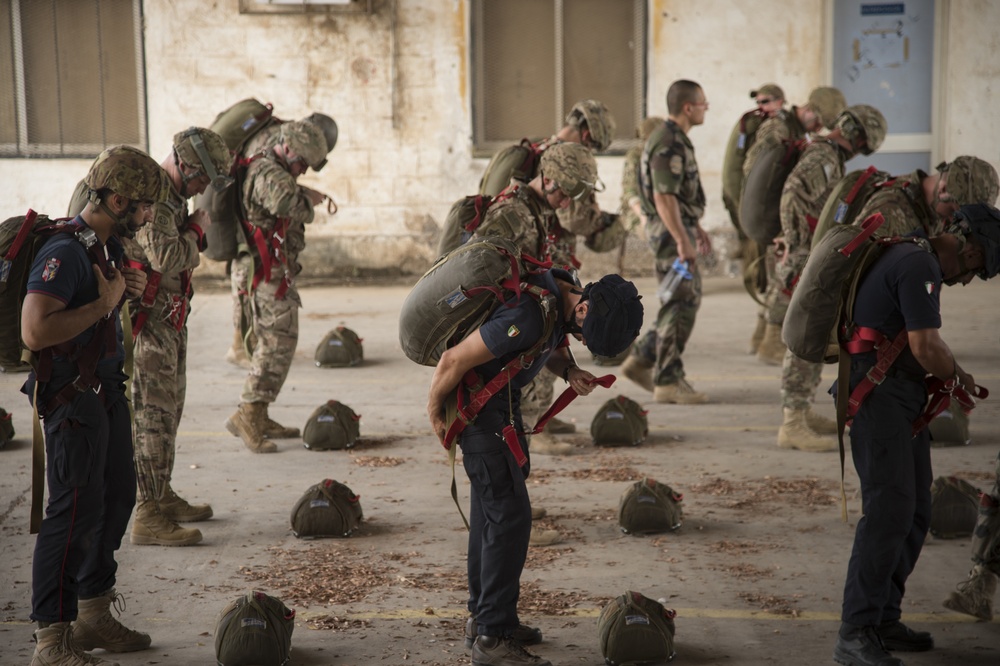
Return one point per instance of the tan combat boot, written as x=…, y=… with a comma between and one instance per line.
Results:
x=54, y=647
x=276, y=430
x=537, y=513
x=95, y=627
x=771, y=350
x=547, y=445
x=540, y=537
x=975, y=596
x=248, y=424
x=237, y=354
x=795, y=433
x=679, y=393
x=151, y=528
x=179, y=510
x=757, y=336
x=639, y=371
x=819, y=424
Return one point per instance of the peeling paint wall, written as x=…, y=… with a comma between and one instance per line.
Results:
x=404, y=153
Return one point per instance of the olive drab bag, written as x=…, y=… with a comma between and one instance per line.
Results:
x=464, y=217
x=328, y=509
x=634, y=629
x=950, y=428
x=6, y=427
x=254, y=630
x=760, y=201
x=648, y=506
x=848, y=196
x=340, y=348
x=620, y=421
x=236, y=125
x=519, y=161
x=740, y=140
x=954, y=508
x=332, y=425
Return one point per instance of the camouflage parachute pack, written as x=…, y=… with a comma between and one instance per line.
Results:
x=254, y=630
x=620, y=421
x=634, y=629
x=332, y=425
x=954, y=508
x=328, y=509
x=760, y=200
x=464, y=217
x=340, y=348
x=648, y=506
x=848, y=196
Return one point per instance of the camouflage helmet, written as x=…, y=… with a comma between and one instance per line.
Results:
x=328, y=126
x=306, y=140
x=828, y=103
x=863, y=122
x=599, y=121
x=128, y=172
x=971, y=180
x=572, y=167
x=205, y=150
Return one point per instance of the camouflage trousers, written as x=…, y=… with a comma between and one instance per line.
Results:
x=159, y=386
x=537, y=396
x=775, y=299
x=986, y=536
x=275, y=325
x=799, y=380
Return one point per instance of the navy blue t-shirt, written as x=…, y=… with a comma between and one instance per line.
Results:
x=901, y=290
x=63, y=270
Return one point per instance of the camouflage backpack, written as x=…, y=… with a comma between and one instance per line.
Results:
x=6, y=427
x=519, y=161
x=848, y=196
x=464, y=217
x=634, y=629
x=620, y=421
x=332, y=425
x=760, y=201
x=954, y=508
x=340, y=348
x=327, y=509
x=254, y=630
x=648, y=506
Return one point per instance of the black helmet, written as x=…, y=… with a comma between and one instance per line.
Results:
x=982, y=223
x=614, y=317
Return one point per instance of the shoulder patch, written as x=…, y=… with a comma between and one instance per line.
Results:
x=929, y=286
x=51, y=268
x=513, y=331
x=676, y=165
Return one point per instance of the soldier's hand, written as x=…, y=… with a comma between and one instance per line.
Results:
x=109, y=291
x=201, y=218
x=581, y=381
x=438, y=425
x=704, y=241
x=966, y=380
x=135, y=282
x=315, y=197
x=687, y=252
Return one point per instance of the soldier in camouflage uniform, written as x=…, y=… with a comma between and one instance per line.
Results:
x=974, y=596
x=277, y=211
x=630, y=211
x=673, y=201
x=823, y=108
x=859, y=129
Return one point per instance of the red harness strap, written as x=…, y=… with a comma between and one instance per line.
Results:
x=270, y=246
x=566, y=397
x=941, y=393
x=864, y=339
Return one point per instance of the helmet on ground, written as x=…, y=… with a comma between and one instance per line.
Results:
x=971, y=180
x=828, y=103
x=571, y=167
x=614, y=316
x=205, y=150
x=307, y=141
x=981, y=222
x=328, y=126
x=128, y=172
x=599, y=121
x=864, y=126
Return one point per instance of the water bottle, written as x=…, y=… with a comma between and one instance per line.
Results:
x=678, y=271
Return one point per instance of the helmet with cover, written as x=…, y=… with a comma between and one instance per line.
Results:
x=206, y=151
x=971, y=180
x=130, y=173
x=864, y=126
x=598, y=120
x=828, y=103
x=328, y=126
x=307, y=141
x=571, y=167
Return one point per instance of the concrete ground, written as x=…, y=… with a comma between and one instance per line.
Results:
x=755, y=572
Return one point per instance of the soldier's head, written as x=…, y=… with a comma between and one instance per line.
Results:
x=769, y=97
x=568, y=172
x=328, y=126
x=202, y=159
x=593, y=122
x=974, y=246
x=864, y=127
x=686, y=99
x=303, y=145
x=126, y=183
x=965, y=180
x=823, y=108
x=648, y=125
x=608, y=317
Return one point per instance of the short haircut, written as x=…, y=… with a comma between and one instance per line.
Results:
x=681, y=92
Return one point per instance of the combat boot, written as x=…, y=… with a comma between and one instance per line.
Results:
x=276, y=430
x=540, y=537
x=151, y=528
x=493, y=651
x=524, y=634
x=771, y=350
x=54, y=647
x=179, y=510
x=559, y=427
x=896, y=636
x=547, y=445
x=679, y=393
x=639, y=371
x=237, y=354
x=819, y=424
x=95, y=627
x=248, y=424
x=975, y=596
x=537, y=512
x=861, y=646
x=757, y=336
x=795, y=433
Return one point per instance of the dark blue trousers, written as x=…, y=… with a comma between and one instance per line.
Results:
x=895, y=473
x=91, y=484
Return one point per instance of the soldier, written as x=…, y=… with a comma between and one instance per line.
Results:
x=673, y=201
x=277, y=211
x=859, y=129
x=70, y=319
x=822, y=110
x=630, y=210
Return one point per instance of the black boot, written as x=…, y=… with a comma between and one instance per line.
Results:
x=861, y=646
x=896, y=636
x=524, y=634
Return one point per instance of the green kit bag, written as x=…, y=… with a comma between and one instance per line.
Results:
x=341, y=348
x=6, y=427
x=634, y=629
x=950, y=428
x=328, y=509
x=620, y=421
x=760, y=201
x=954, y=508
x=332, y=425
x=649, y=506
x=254, y=630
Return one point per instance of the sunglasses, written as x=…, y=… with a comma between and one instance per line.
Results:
x=764, y=100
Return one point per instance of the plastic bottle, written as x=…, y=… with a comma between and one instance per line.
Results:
x=678, y=271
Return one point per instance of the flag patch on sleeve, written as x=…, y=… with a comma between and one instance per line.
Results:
x=513, y=331
x=51, y=268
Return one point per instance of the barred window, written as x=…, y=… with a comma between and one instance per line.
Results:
x=71, y=77
x=533, y=59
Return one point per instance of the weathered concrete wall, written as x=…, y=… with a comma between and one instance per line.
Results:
x=404, y=152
